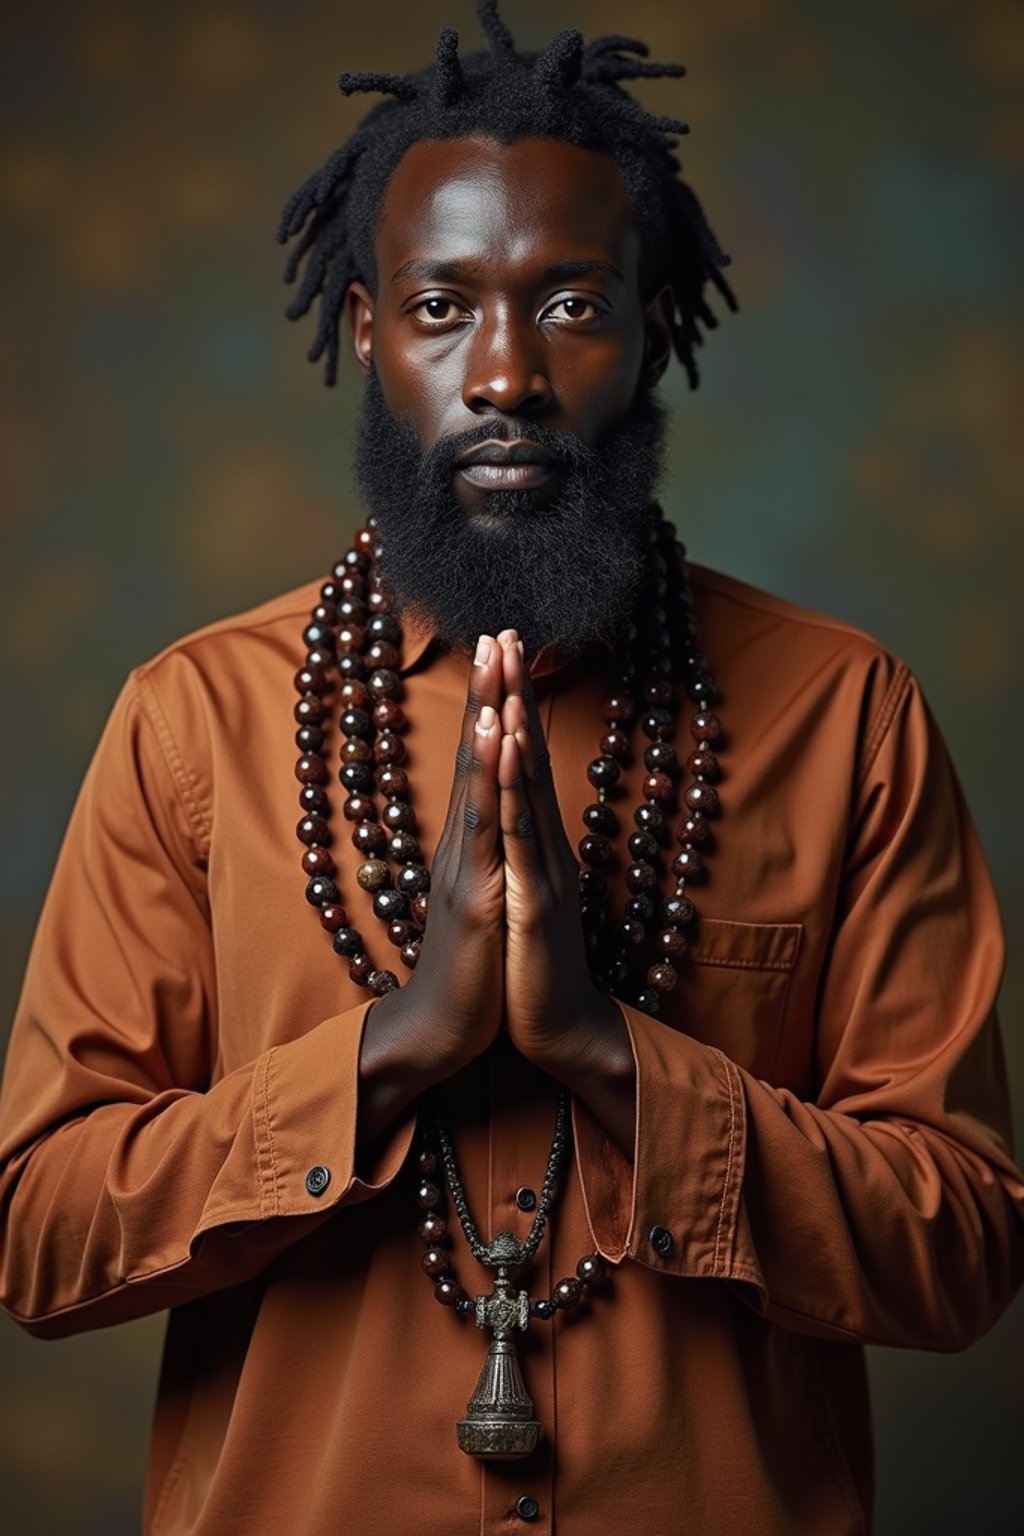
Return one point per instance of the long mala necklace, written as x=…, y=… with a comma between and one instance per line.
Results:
x=353, y=633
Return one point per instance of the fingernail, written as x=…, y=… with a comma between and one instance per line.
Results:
x=486, y=723
x=483, y=652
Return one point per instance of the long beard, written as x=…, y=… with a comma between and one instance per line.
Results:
x=563, y=570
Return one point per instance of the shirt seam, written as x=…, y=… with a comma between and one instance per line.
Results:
x=879, y=728
x=717, y=1265
x=176, y=764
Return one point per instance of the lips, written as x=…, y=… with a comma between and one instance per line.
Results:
x=519, y=465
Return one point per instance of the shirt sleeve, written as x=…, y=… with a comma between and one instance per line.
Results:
x=889, y=1209
x=129, y=1182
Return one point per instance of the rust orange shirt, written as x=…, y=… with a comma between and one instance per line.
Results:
x=822, y=1115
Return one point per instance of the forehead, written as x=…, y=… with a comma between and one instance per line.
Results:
x=475, y=199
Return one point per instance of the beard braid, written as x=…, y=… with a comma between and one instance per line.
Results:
x=562, y=570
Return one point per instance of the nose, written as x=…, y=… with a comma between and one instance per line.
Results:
x=506, y=369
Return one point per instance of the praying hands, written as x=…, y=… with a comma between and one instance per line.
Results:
x=504, y=944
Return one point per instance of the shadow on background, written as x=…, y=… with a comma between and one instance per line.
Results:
x=170, y=457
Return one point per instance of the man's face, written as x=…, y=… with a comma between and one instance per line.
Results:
x=509, y=343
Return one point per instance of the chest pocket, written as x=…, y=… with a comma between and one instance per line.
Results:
x=732, y=991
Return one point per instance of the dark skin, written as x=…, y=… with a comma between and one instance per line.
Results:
x=508, y=286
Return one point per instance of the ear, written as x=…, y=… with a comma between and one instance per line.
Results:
x=359, y=310
x=658, y=319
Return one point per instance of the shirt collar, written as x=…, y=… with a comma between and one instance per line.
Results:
x=420, y=642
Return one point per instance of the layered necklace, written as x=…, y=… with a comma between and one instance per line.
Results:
x=353, y=651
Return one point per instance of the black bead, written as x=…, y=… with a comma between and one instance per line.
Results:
x=320, y=890
x=649, y=818
x=356, y=722
x=658, y=724
x=313, y=799
x=389, y=904
x=659, y=756
x=591, y=913
x=642, y=845
x=648, y=1001
x=629, y=932
x=380, y=982
x=353, y=665
x=404, y=848
x=601, y=818
x=319, y=635
x=309, y=738
x=641, y=908
x=347, y=941
x=356, y=777
x=593, y=884
x=702, y=689
x=383, y=626
x=413, y=879
x=543, y=1308
x=603, y=772
x=617, y=974
x=677, y=911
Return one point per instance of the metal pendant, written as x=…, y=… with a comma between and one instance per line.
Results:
x=499, y=1423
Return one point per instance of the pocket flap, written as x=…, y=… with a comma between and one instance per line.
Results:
x=751, y=946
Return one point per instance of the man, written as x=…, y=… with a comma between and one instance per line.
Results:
x=765, y=1001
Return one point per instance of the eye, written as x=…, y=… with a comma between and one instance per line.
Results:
x=436, y=311
x=573, y=309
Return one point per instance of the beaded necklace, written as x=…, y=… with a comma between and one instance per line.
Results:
x=353, y=633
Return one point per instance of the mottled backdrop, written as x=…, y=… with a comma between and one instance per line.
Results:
x=169, y=456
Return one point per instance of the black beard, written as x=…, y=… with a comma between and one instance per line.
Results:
x=562, y=569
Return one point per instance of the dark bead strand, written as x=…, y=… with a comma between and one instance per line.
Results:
x=437, y=1261
x=352, y=630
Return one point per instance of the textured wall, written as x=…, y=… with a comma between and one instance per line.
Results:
x=168, y=456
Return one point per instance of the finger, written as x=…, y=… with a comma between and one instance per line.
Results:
x=479, y=852
x=518, y=830
x=484, y=689
x=521, y=719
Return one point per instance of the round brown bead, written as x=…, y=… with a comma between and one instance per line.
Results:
x=388, y=716
x=384, y=683
x=566, y=1294
x=694, y=829
x=426, y=1161
x=662, y=977
x=433, y=1228
x=658, y=786
x=658, y=693
x=374, y=875
x=365, y=540
x=382, y=982
x=677, y=911
x=356, y=750
x=317, y=861
x=641, y=876
x=702, y=797
x=615, y=744
x=703, y=764
x=369, y=838
x=333, y=917
x=398, y=816
x=448, y=1292
x=428, y=1195
x=595, y=850
x=359, y=808
x=392, y=780
x=389, y=749
x=671, y=943
x=687, y=864
x=353, y=694
x=705, y=726
x=360, y=968
x=419, y=907
x=309, y=709
x=410, y=953
x=311, y=680
x=311, y=769
x=590, y=1268
x=436, y=1262
x=313, y=829
x=351, y=637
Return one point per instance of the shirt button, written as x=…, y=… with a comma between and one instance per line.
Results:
x=526, y=1200
x=661, y=1240
x=527, y=1508
x=317, y=1179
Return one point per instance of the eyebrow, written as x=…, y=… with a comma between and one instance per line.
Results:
x=453, y=271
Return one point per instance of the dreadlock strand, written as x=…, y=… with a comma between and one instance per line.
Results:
x=559, y=66
x=449, y=80
x=366, y=81
x=495, y=30
x=611, y=68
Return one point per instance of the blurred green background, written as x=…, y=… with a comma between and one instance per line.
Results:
x=168, y=456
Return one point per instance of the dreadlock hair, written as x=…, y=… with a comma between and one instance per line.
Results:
x=570, y=91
